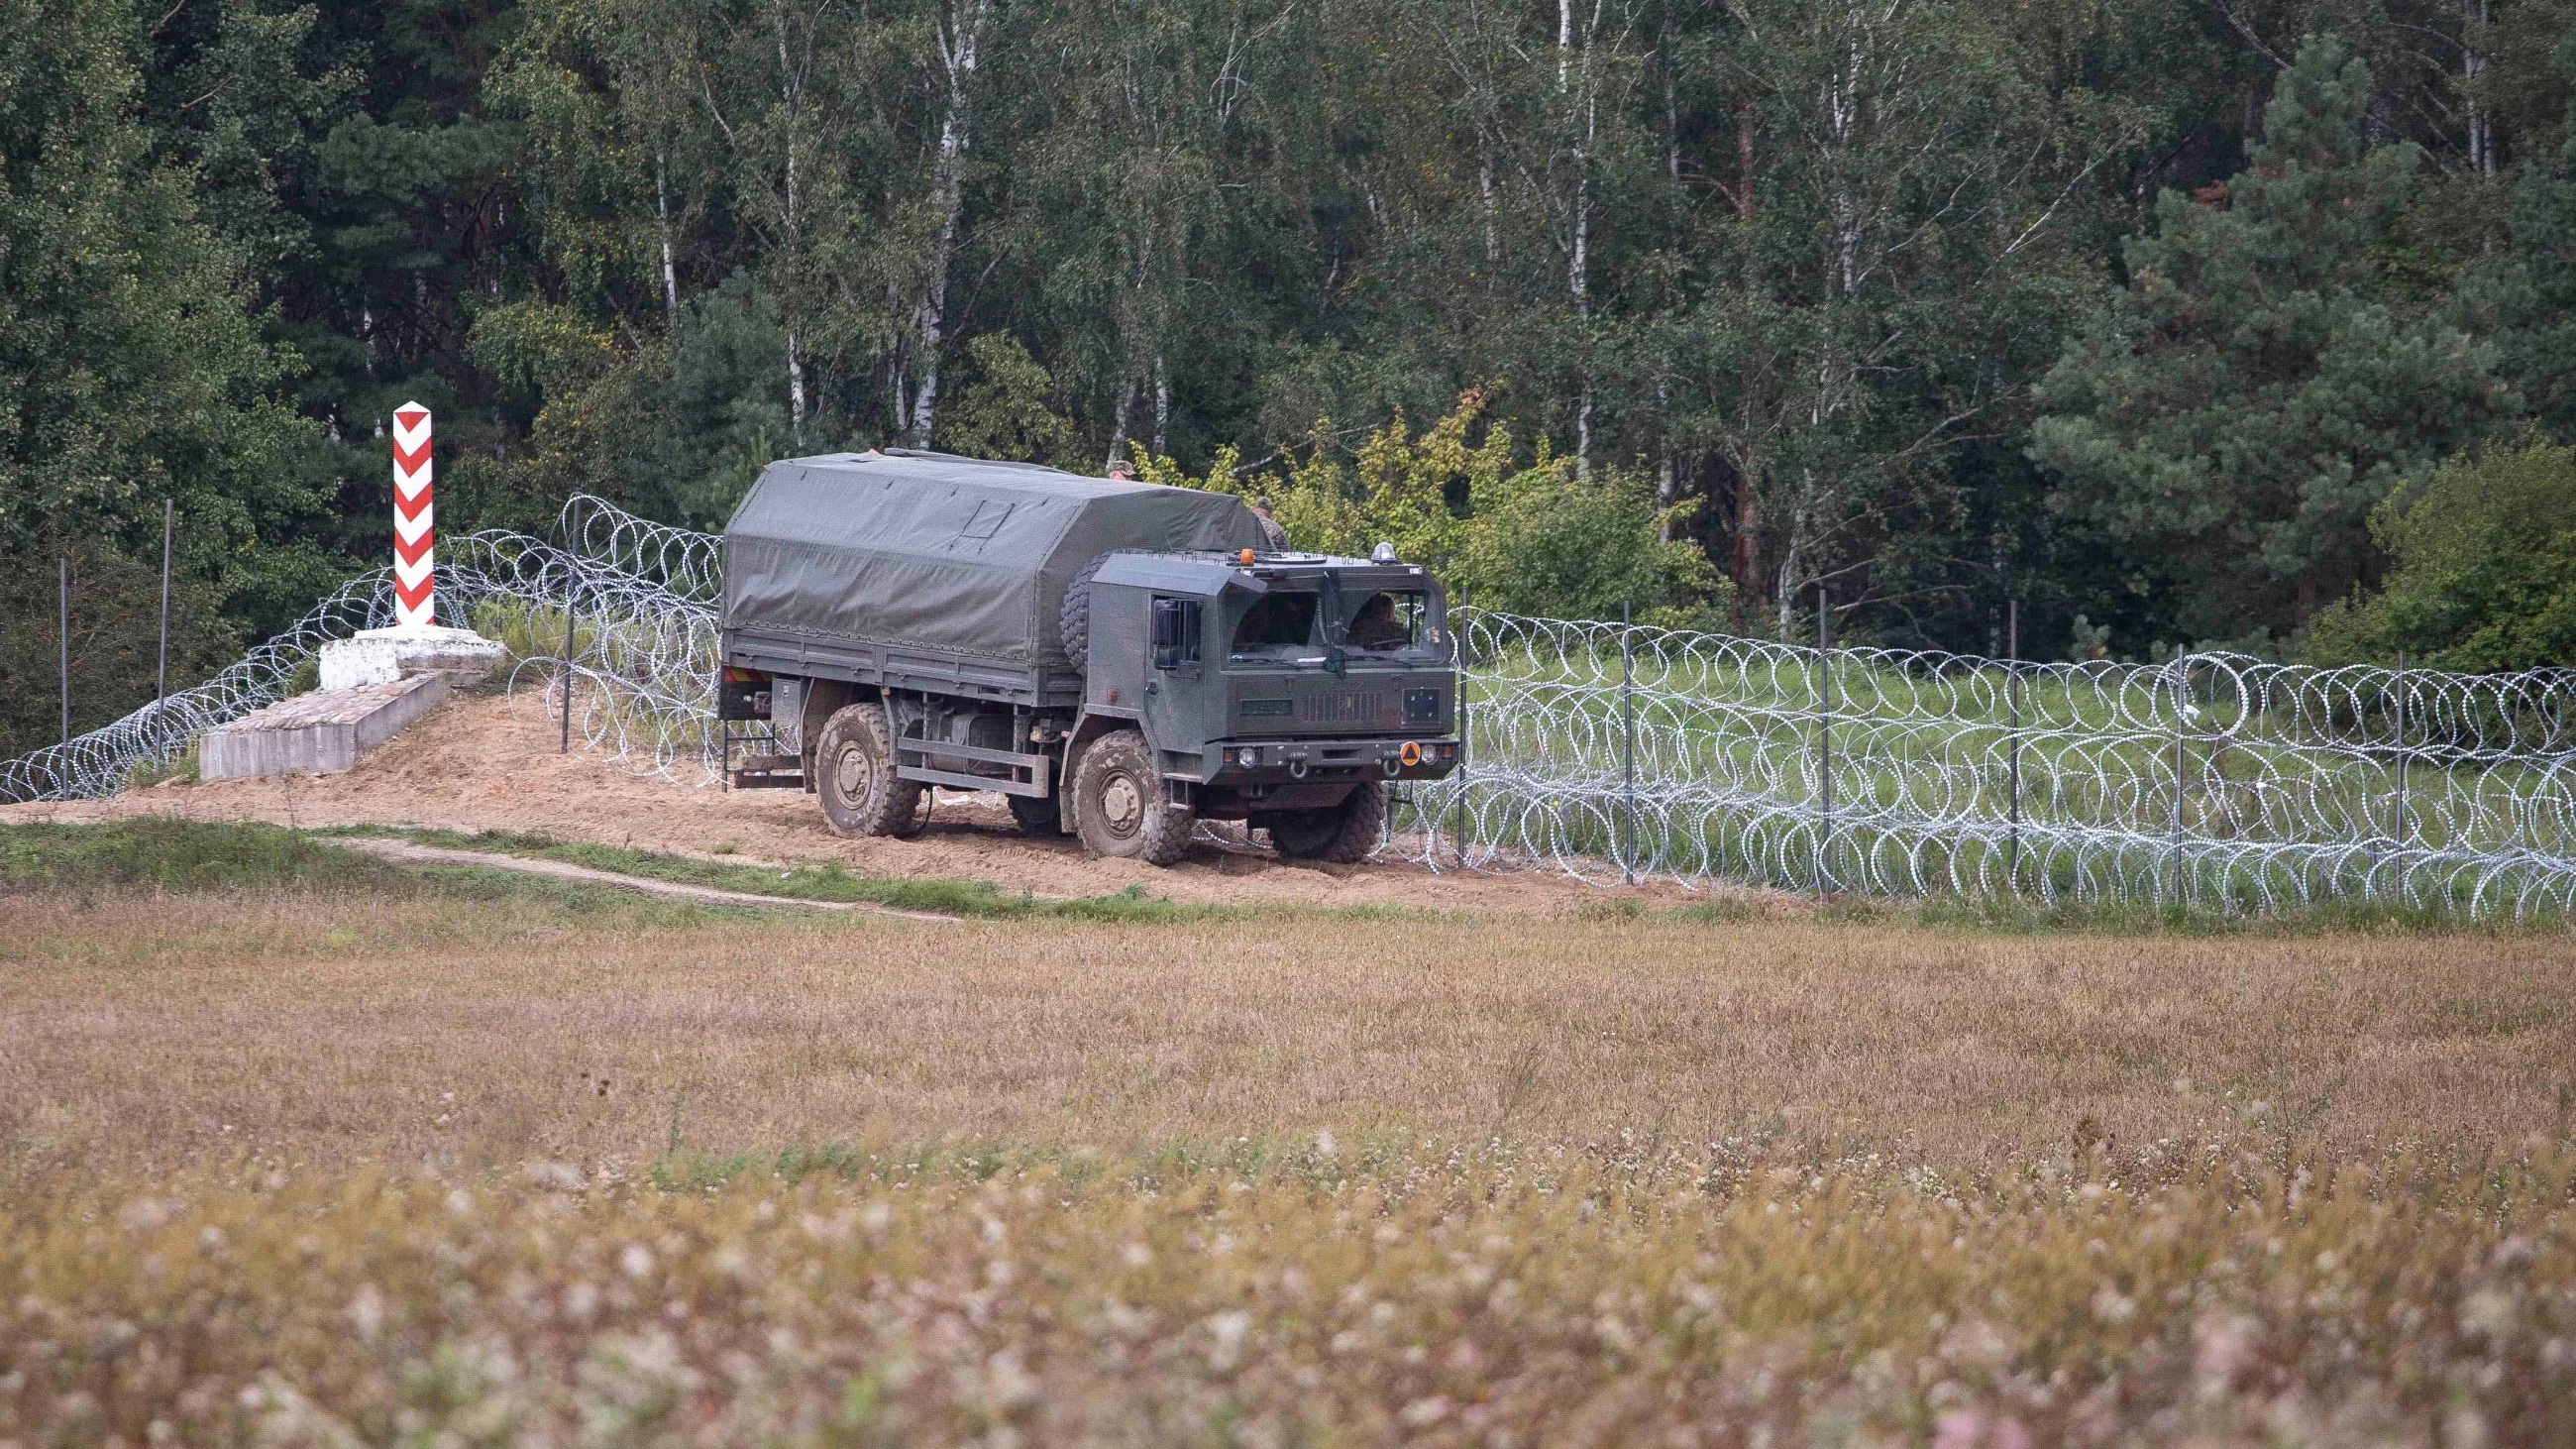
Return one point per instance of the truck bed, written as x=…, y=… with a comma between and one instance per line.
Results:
x=1036, y=686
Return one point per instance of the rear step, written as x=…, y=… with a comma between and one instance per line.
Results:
x=768, y=772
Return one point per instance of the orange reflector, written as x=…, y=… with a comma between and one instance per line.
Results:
x=1245, y=557
x=1411, y=754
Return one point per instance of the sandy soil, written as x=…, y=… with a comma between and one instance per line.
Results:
x=489, y=763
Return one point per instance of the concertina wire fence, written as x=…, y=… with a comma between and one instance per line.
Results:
x=1615, y=752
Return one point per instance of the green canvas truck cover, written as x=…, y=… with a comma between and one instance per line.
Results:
x=929, y=551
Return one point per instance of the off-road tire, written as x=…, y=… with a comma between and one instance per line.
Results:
x=854, y=773
x=1120, y=806
x=1343, y=834
x=1073, y=616
x=1036, y=817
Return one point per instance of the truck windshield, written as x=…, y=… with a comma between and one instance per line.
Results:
x=1390, y=621
x=1280, y=624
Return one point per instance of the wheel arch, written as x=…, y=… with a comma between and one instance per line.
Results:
x=1090, y=725
x=823, y=699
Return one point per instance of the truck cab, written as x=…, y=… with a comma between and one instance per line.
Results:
x=1281, y=689
x=1117, y=659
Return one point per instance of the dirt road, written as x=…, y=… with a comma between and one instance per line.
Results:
x=487, y=763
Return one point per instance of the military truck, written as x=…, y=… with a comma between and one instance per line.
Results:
x=1117, y=659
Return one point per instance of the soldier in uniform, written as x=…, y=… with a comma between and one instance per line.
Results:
x=1271, y=533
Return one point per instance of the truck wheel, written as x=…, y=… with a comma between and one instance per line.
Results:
x=1073, y=616
x=1343, y=834
x=1120, y=806
x=854, y=773
x=1035, y=816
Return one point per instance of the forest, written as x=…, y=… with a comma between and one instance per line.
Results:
x=2169, y=323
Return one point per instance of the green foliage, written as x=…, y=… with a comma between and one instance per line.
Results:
x=1008, y=411
x=115, y=639
x=1535, y=539
x=1803, y=266
x=1545, y=541
x=131, y=369
x=2485, y=568
x=2231, y=417
x=674, y=429
x=541, y=346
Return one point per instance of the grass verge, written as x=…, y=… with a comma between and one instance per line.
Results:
x=162, y=853
x=829, y=882
x=2093, y=918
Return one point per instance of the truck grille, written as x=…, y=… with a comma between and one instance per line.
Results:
x=1347, y=707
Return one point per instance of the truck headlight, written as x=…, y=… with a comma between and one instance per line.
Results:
x=1252, y=759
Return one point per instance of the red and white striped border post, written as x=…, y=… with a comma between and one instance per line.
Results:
x=415, y=593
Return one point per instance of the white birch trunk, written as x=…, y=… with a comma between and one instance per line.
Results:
x=796, y=383
x=1485, y=186
x=790, y=94
x=1118, y=429
x=662, y=219
x=1162, y=403
x=1579, y=255
x=957, y=58
x=2473, y=66
x=1664, y=458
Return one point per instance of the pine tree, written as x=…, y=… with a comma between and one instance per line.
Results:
x=131, y=368
x=2231, y=416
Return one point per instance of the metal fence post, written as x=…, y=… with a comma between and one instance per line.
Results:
x=1458, y=642
x=2399, y=833
x=161, y=675
x=2012, y=745
x=2181, y=703
x=563, y=675
x=1824, y=737
x=1627, y=752
x=63, y=639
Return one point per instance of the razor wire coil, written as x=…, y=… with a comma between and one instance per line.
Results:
x=2212, y=779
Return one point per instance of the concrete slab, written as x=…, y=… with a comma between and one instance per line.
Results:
x=320, y=733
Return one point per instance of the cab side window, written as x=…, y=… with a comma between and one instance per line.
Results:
x=1176, y=633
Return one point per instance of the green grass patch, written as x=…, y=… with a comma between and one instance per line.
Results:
x=2132, y=918
x=947, y=895
x=160, y=853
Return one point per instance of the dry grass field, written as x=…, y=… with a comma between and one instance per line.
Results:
x=352, y=1160
x=138, y=1034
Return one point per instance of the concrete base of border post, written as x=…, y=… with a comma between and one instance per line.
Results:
x=381, y=656
x=320, y=733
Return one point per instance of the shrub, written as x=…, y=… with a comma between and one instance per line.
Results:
x=2485, y=575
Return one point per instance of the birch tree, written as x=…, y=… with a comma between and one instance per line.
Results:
x=1896, y=240
x=776, y=80
x=959, y=35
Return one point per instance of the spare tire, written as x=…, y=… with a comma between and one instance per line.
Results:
x=1073, y=616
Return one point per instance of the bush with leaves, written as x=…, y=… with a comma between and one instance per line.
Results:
x=1534, y=539
x=1008, y=411
x=2485, y=575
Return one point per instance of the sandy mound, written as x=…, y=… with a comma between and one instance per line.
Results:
x=489, y=763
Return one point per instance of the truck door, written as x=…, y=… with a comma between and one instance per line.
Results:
x=1176, y=702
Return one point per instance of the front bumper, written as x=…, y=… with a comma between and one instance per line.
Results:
x=1328, y=761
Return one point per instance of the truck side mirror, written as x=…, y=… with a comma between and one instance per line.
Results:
x=1176, y=634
